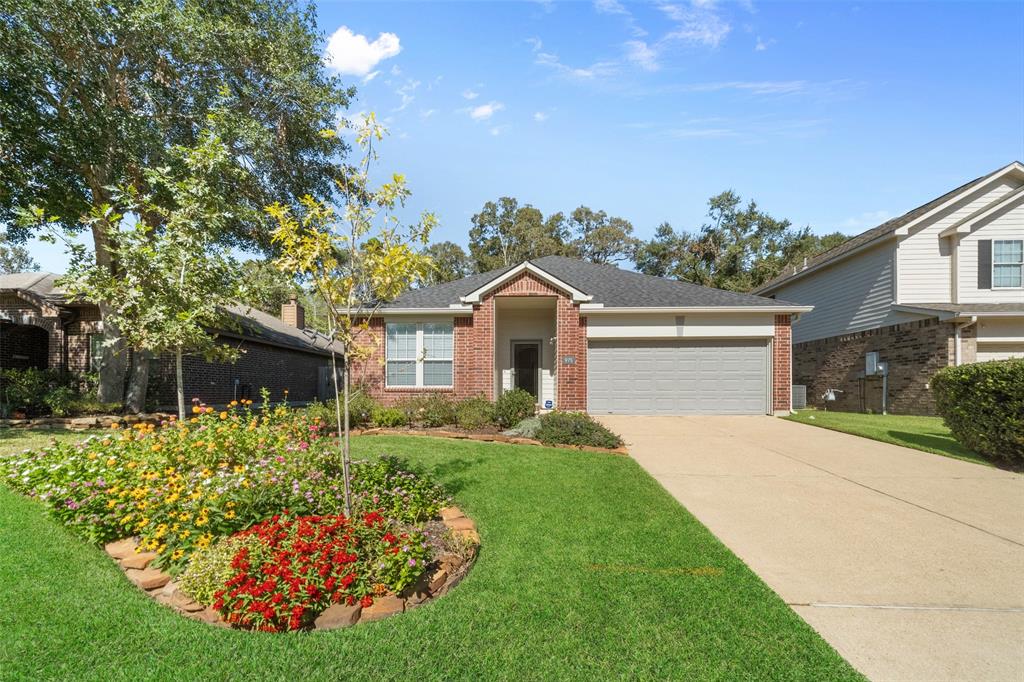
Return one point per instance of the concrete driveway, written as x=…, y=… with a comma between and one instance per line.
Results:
x=910, y=564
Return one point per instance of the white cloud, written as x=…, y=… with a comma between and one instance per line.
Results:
x=610, y=7
x=498, y=130
x=370, y=76
x=540, y=116
x=485, y=111
x=596, y=70
x=395, y=70
x=405, y=93
x=753, y=87
x=643, y=55
x=698, y=23
x=535, y=44
x=427, y=113
x=470, y=94
x=761, y=45
x=351, y=53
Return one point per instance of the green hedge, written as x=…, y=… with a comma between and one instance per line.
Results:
x=983, y=405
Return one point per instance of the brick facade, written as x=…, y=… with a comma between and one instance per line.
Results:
x=782, y=390
x=474, y=372
x=915, y=351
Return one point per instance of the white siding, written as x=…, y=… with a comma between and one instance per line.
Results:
x=1005, y=225
x=694, y=325
x=852, y=295
x=924, y=259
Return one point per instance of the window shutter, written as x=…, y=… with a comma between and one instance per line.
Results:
x=984, y=263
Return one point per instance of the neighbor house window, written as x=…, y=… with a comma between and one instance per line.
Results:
x=419, y=354
x=95, y=352
x=1008, y=263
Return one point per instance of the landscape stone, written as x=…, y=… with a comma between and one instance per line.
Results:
x=468, y=534
x=449, y=513
x=138, y=560
x=461, y=523
x=338, y=616
x=148, y=579
x=121, y=548
x=382, y=607
x=437, y=580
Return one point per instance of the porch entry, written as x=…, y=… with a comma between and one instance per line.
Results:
x=526, y=366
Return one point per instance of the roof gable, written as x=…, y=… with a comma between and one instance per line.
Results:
x=526, y=266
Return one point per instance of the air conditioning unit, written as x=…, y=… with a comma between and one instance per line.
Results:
x=799, y=397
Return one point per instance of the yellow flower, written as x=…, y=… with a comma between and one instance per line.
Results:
x=239, y=469
x=233, y=403
x=223, y=415
x=161, y=549
x=111, y=504
x=111, y=462
x=93, y=455
x=209, y=410
x=230, y=514
x=196, y=409
x=177, y=554
x=185, y=534
x=204, y=541
x=115, y=426
x=194, y=421
x=157, y=448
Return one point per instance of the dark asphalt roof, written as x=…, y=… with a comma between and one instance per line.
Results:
x=608, y=284
x=883, y=230
x=251, y=323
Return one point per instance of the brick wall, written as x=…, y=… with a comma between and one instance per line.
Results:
x=474, y=371
x=277, y=369
x=915, y=351
x=782, y=392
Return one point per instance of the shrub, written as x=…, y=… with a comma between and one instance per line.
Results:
x=387, y=417
x=27, y=389
x=302, y=565
x=525, y=429
x=430, y=410
x=513, y=407
x=208, y=570
x=983, y=406
x=575, y=428
x=474, y=413
x=385, y=485
x=360, y=409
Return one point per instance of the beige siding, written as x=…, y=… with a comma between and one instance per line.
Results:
x=694, y=325
x=852, y=295
x=1008, y=224
x=924, y=259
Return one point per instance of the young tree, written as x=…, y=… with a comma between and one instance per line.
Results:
x=505, y=233
x=450, y=263
x=92, y=92
x=355, y=259
x=173, y=281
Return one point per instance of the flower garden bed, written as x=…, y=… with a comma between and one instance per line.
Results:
x=238, y=517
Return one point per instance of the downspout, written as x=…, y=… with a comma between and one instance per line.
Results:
x=957, y=340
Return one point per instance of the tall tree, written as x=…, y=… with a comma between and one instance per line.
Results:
x=266, y=287
x=739, y=248
x=505, y=233
x=93, y=92
x=600, y=238
x=15, y=257
x=355, y=259
x=449, y=263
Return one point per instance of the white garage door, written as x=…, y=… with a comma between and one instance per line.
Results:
x=714, y=376
x=999, y=351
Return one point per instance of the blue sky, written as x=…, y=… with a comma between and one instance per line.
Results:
x=832, y=115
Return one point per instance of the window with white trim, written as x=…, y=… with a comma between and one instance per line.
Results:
x=1007, y=263
x=419, y=354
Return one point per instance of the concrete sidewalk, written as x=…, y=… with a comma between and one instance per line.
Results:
x=910, y=564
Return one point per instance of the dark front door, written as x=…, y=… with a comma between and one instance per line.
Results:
x=525, y=366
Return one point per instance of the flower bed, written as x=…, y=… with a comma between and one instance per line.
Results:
x=250, y=499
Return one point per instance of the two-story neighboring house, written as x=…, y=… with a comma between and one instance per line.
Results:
x=941, y=285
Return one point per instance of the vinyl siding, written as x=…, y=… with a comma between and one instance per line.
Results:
x=1005, y=225
x=693, y=325
x=852, y=295
x=924, y=259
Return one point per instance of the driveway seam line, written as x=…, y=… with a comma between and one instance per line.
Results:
x=911, y=607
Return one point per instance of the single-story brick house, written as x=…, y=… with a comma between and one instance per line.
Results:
x=938, y=286
x=41, y=327
x=581, y=336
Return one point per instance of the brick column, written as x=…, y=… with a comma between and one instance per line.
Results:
x=474, y=352
x=782, y=375
x=572, y=341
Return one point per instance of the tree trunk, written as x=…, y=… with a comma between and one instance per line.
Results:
x=138, y=383
x=181, y=383
x=113, y=361
x=341, y=416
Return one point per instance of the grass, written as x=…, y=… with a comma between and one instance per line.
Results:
x=14, y=440
x=921, y=433
x=588, y=570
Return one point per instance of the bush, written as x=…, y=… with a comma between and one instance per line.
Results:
x=387, y=417
x=575, y=428
x=360, y=409
x=208, y=570
x=46, y=392
x=474, y=413
x=430, y=410
x=525, y=429
x=983, y=405
x=513, y=407
x=302, y=565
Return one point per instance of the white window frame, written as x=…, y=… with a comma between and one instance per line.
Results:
x=1019, y=264
x=420, y=356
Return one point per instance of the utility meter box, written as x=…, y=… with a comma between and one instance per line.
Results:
x=871, y=363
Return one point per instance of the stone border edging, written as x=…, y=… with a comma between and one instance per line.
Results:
x=449, y=570
x=86, y=423
x=483, y=437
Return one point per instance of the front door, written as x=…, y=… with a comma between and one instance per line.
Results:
x=526, y=365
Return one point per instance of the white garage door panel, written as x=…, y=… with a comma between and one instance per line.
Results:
x=999, y=351
x=724, y=376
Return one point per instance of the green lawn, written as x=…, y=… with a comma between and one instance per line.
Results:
x=921, y=433
x=15, y=440
x=588, y=570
